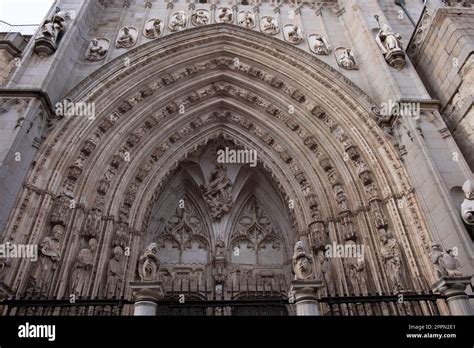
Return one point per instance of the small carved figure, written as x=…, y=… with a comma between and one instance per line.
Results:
x=153, y=28
x=391, y=46
x=294, y=34
x=346, y=60
x=319, y=44
x=200, y=17
x=178, y=21
x=149, y=264
x=218, y=193
x=302, y=262
x=225, y=16
x=127, y=37
x=97, y=49
x=445, y=263
x=270, y=25
x=82, y=268
x=391, y=258
x=467, y=207
x=247, y=19
x=115, y=274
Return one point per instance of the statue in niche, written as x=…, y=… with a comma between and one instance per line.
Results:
x=51, y=33
x=345, y=58
x=115, y=273
x=127, y=37
x=358, y=277
x=153, y=28
x=82, y=268
x=444, y=262
x=200, y=17
x=293, y=34
x=467, y=206
x=149, y=264
x=218, y=193
x=302, y=262
x=178, y=21
x=391, y=258
x=247, y=19
x=97, y=49
x=44, y=268
x=325, y=273
x=225, y=15
x=391, y=46
x=319, y=44
x=269, y=25
x=220, y=271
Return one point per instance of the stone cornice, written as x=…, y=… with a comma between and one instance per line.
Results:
x=39, y=94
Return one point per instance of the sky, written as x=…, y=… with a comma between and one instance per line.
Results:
x=24, y=11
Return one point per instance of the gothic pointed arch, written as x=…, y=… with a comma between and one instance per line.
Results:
x=315, y=132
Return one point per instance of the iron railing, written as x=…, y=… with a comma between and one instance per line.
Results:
x=25, y=29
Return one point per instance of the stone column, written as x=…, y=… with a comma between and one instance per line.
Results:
x=146, y=295
x=454, y=289
x=305, y=294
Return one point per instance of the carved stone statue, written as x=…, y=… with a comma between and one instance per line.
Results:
x=218, y=193
x=346, y=58
x=178, y=21
x=467, y=207
x=50, y=34
x=444, y=262
x=220, y=271
x=247, y=19
x=293, y=34
x=391, y=258
x=43, y=272
x=269, y=25
x=358, y=277
x=200, y=17
x=149, y=265
x=82, y=268
x=127, y=37
x=325, y=273
x=97, y=49
x=153, y=28
x=391, y=46
x=319, y=44
x=302, y=262
x=225, y=15
x=115, y=272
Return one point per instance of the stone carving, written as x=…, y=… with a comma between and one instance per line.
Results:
x=97, y=49
x=318, y=235
x=61, y=211
x=269, y=25
x=115, y=272
x=392, y=260
x=391, y=44
x=200, y=17
x=325, y=273
x=444, y=262
x=50, y=34
x=178, y=21
x=44, y=268
x=458, y=3
x=247, y=19
x=345, y=58
x=219, y=271
x=467, y=207
x=218, y=193
x=127, y=37
x=153, y=28
x=302, y=262
x=293, y=34
x=318, y=44
x=149, y=264
x=358, y=277
x=224, y=15
x=82, y=268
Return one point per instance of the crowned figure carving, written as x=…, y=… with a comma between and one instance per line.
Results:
x=302, y=262
x=149, y=265
x=51, y=32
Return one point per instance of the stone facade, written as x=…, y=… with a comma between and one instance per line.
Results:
x=112, y=123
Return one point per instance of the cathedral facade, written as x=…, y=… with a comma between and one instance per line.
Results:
x=214, y=149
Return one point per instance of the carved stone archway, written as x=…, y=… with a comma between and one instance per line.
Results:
x=315, y=132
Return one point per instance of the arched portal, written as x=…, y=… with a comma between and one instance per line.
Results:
x=326, y=173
